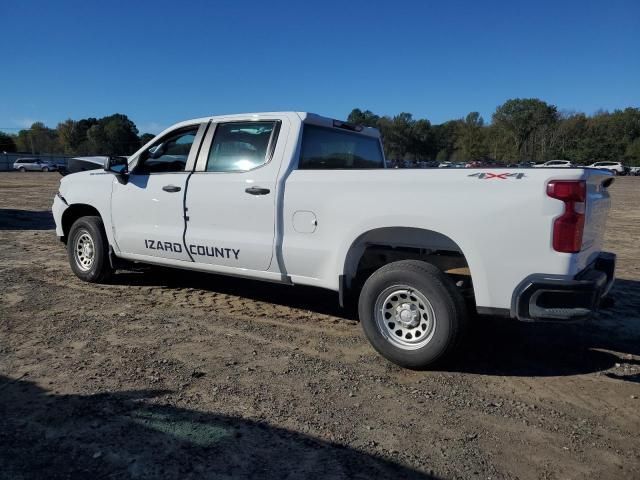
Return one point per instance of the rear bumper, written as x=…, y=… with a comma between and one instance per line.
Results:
x=554, y=298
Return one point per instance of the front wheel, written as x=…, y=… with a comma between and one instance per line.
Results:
x=88, y=250
x=412, y=313
x=22, y=169
x=45, y=169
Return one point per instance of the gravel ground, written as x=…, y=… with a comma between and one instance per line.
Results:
x=167, y=374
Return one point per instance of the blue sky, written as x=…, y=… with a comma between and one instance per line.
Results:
x=160, y=61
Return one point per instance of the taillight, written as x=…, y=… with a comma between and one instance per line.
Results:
x=568, y=227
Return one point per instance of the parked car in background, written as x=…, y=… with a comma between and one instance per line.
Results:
x=34, y=165
x=525, y=165
x=407, y=164
x=555, y=164
x=428, y=164
x=446, y=164
x=485, y=164
x=617, y=168
x=634, y=171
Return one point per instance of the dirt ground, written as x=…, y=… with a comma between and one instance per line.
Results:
x=166, y=374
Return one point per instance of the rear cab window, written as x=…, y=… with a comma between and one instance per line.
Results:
x=325, y=148
x=242, y=146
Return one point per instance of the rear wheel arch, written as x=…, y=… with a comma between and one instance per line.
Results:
x=378, y=247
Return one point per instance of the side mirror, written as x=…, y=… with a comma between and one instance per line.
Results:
x=117, y=165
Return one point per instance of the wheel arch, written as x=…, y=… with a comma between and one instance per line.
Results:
x=73, y=213
x=379, y=246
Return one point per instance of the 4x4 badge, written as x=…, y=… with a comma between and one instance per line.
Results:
x=500, y=176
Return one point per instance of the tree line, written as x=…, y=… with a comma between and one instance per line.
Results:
x=112, y=135
x=526, y=129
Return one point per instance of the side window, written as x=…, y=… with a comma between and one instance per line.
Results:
x=330, y=148
x=241, y=146
x=169, y=154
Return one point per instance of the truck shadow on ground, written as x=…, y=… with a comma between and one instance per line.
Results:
x=317, y=300
x=505, y=347
x=14, y=219
x=129, y=435
x=494, y=346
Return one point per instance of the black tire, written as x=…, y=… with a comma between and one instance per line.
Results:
x=22, y=169
x=445, y=304
x=99, y=269
x=45, y=169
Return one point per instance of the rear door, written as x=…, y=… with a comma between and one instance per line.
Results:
x=231, y=198
x=148, y=210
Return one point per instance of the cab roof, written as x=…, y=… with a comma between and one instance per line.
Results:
x=305, y=117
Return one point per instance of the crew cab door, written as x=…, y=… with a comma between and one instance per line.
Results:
x=148, y=210
x=231, y=198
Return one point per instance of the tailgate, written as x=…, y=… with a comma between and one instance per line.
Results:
x=597, y=209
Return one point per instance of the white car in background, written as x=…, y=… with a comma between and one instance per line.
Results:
x=634, y=171
x=614, y=167
x=555, y=164
x=34, y=165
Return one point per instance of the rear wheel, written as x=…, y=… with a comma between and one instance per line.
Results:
x=22, y=169
x=45, y=169
x=412, y=313
x=88, y=250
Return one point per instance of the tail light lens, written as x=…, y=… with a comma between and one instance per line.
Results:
x=569, y=227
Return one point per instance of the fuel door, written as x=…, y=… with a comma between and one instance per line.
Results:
x=304, y=221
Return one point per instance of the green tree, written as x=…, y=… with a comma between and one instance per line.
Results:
x=400, y=135
x=7, y=143
x=520, y=119
x=445, y=136
x=422, y=141
x=113, y=135
x=146, y=137
x=471, y=139
x=632, y=153
x=366, y=118
x=72, y=136
x=38, y=139
x=121, y=134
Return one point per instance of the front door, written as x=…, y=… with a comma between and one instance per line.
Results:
x=148, y=210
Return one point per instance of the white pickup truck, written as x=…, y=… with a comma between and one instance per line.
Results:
x=301, y=199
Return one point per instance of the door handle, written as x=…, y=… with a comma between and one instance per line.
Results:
x=171, y=188
x=257, y=190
